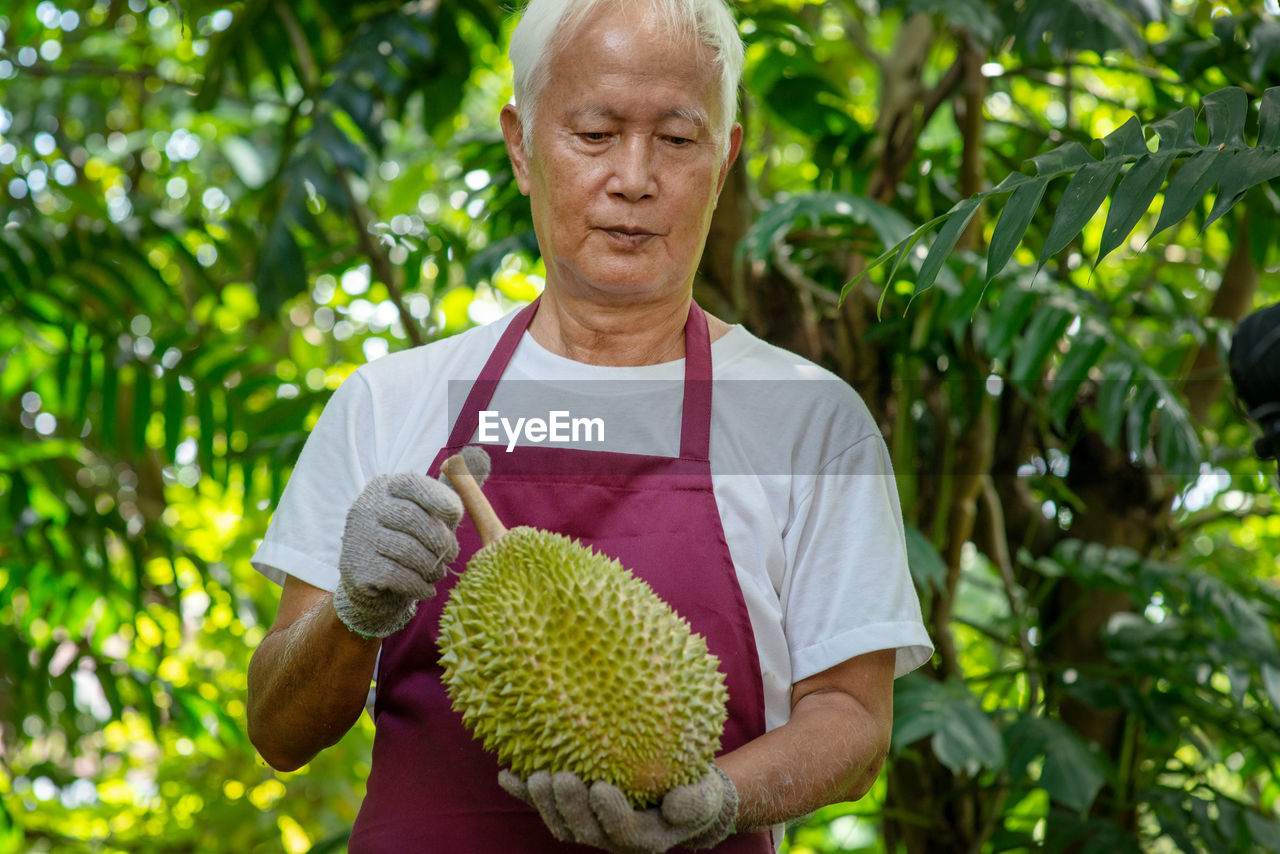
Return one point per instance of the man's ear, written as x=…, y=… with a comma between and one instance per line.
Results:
x=735, y=143
x=513, y=134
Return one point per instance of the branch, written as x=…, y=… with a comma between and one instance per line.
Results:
x=306, y=62
x=806, y=289
x=1000, y=557
x=1067, y=81
x=858, y=35
x=998, y=638
x=943, y=89
x=1203, y=380
x=1192, y=525
x=88, y=68
x=381, y=263
x=797, y=277
x=1040, y=71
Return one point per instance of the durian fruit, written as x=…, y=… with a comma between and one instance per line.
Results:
x=560, y=659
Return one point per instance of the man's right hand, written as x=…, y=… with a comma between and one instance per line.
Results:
x=696, y=815
x=398, y=541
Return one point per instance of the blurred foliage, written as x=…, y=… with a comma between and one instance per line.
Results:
x=210, y=214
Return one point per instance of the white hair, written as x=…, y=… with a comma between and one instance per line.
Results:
x=547, y=24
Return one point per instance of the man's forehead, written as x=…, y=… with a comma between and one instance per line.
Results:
x=692, y=115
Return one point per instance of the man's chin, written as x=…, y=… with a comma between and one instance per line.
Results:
x=631, y=291
x=632, y=285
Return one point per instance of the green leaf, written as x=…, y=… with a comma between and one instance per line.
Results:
x=1113, y=395
x=89, y=376
x=1178, y=445
x=1011, y=182
x=281, y=269
x=1271, y=682
x=1065, y=158
x=1225, y=112
x=1012, y=226
x=971, y=16
x=487, y=262
x=808, y=103
x=946, y=240
x=141, y=407
x=62, y=378
x=332, y=844
x=345, y=154
x=205, y=429
x=1125, y=142
x=1132, y=199
x=1138, y=418
x=963, y=736
x=173, y=412
x=928, y=569
x=918, y=701
x=45, y=263
x=1269, y=119
x=772, y=226
x=903, y=248
x=899, y=250
x=110, y=390
x=966, y=741
x=359, y=106
x=1086, y=348
x=1178, y=131
x=1043, y=332
x=1072, y=774
x=1244, y=170
x=245, y=159
x=1264, y=832
x=1188, y=186
x=1264, y=42
x=1104, y=839
x=19, y=274
x=1080, y=200
x=486, y=15
x=1007, y=319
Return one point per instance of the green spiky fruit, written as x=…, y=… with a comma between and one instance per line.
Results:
x=559, y=659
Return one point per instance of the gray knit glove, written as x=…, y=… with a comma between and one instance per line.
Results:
x=697, y=816
x=398, y=541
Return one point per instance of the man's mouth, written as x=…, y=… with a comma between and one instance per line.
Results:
x=627, y=236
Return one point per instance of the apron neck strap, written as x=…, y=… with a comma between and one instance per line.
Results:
x=485, y=385
x=695, y=419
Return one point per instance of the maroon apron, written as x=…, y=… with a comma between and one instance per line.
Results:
x=433, y=787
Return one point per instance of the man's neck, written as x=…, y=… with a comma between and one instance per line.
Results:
x=618, y=335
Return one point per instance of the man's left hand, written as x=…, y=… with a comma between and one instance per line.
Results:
x=699, y=815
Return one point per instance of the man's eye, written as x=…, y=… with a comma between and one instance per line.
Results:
x=594, y=136
x=679, y=140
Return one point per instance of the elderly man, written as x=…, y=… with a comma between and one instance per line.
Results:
x=780, y=540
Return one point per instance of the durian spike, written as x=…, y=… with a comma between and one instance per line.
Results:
x=487, y=523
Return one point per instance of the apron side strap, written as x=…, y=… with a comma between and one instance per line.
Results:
x=485, y=385
x=695, y=418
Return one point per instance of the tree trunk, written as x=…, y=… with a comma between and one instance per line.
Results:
x=1231, y=301
x=902, y=92
x=1121, y=505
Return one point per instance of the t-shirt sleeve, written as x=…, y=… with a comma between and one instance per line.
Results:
x=304, y=538
x=849, y=591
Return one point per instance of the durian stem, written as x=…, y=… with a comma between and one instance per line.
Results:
x=487, y=523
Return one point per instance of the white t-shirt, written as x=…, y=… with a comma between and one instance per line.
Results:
x=800, y=473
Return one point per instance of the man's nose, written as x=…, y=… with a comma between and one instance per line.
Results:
x=633, y=176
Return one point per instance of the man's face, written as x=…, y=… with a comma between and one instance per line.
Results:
x=625, y=167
